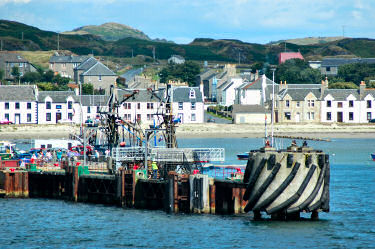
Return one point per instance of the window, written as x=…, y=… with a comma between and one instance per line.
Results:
x=180, y=105
x=193, y=117
x=329, y=117
x=150, y=105
x=17, y=105
x=21, y=64
x=310, y=115
x=328, y=69
x=192, y=94
x=368, y=115
x=88, y=109
x=138, y=117
x=7, y=116
x=48, y=105
x=351, y=115
x=29, y=117
x=48, y=116
x=64, y=65
x=138, y=105
x=310, y=103
x=297, y=104
x=351, y=103
x=127, y=106
x=368, y=103
x=329, y=103
x=148, y=116
x=287, y=115
x=339, y=104
x=97, y=109
x=100, y=78
x=28, y=105
x=287, y=103
x=70, y=116
x=58, y=106
x=70, y=105
x=193, y=105
x=6, y=105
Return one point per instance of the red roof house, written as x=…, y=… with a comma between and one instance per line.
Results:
x=289, y=55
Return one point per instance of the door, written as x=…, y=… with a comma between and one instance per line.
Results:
x=276, y=117
x=297, y=117
x=339, y=117
x=58, y=116
x=17, y=118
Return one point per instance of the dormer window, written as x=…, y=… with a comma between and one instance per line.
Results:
x=192, y=94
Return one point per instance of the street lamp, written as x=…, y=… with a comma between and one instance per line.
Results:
x=273, y=103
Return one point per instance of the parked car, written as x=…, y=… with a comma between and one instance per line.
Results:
x=372, y=120
x=5, y=122
x=210, y=120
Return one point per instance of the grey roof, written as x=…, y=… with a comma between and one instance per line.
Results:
x=369, y=91
x=17, y=93
x=182, y=94
x=98, y=69
x=56, y=96
x=331, y=62
x=93, y=100
x=306, y=86
x=142, y=95
x=299, y=94
x=249, y=109
x=67, y=59
x=87, y=64
x=341, y=94
x=11, y=57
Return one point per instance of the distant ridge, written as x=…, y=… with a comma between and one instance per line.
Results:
x=310, y=40
x=110, y=31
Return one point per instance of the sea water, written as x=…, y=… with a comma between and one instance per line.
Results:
x=42, y=223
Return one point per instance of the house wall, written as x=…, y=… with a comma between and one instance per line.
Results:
x=24, y=67
x=104, y=83
x=251, y=118
x=22, y=111
x=187, y=111
x=345, y=109
x=229, y=94
x=300, y=111
x=42, y=110
x=333, y=70
x=146, y=115
x=250, y=97
x=64, y=69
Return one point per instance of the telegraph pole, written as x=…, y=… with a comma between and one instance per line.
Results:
x=58, y=42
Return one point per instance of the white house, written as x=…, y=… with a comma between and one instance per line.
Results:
x=228, y=91
x=18, y=104
x=251, y=93
x=187, y=104
x=176, y=59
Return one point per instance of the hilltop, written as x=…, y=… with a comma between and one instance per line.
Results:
x=110, y=31
x=310, y=40
x=221, y=50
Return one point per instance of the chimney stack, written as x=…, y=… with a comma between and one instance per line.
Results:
x=362, y=88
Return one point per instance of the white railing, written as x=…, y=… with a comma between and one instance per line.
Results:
x=176, y=155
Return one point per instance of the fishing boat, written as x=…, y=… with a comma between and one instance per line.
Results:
x=373, y=156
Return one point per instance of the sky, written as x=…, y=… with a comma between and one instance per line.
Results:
x=254, y=21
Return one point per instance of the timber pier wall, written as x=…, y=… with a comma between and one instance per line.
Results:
x=128, y=188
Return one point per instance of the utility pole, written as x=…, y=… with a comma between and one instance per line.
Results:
x=343, y=30
x=1, y=46
x=273, y=104
x=239, y=58
x=58, y=42
x=153, y=53
x=22, y=35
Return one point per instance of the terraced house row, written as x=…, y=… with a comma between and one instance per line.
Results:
x=27, y=105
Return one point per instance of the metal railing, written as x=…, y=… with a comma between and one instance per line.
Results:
x=174, y=155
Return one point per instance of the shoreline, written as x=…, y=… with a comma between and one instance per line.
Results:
x=207, y=130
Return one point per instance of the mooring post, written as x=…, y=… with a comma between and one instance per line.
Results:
x=212, y=196
x=6, y=183
x=75, y=183
x=25, y=184
x=315, y=215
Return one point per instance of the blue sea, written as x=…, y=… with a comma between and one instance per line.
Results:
x=40, y=223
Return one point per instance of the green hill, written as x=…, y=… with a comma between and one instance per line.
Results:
x=110, y=31
x=201, y=49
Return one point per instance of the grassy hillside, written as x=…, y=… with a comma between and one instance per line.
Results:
x=200, y=49
x=311, y=40
x=110, y=31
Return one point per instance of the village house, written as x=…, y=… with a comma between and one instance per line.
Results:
x=18, y=104
x=176, y=59
x=187, y=104
x=65, y=64
x=330, y=66
x=254, y=114
x=284, y=56
x=94, y=72
x=8, y=60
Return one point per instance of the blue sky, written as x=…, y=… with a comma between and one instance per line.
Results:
x=258, y=21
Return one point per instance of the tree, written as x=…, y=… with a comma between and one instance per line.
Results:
x=87, y=88
x=31, y=77
x=296, y=71
x=185, y=72
x=48, y=76
x=356, y=72
x=343, y=85
x=1, y=74
x=60, y=80
x=16, y=73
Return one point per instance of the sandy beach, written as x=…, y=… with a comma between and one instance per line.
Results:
x=207, y=130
